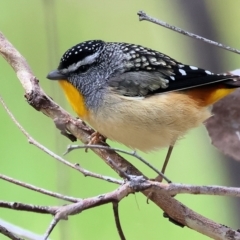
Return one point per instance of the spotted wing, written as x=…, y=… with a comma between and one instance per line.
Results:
x=152, y=72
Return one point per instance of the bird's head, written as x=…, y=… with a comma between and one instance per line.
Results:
x=90, y=63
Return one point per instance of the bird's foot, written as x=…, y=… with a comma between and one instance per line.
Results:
x=95, y=139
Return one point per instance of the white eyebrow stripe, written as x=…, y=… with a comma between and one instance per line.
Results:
x=87, y=60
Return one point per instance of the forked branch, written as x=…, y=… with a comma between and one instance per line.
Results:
x=175, y=210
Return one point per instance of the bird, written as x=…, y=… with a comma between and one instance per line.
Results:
x=138, y=96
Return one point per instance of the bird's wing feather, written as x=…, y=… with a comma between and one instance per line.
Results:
x=144, y=83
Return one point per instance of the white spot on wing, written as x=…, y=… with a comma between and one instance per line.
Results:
x=193, y=68
x=182, y=72
x=208, y=72
x=172, y=77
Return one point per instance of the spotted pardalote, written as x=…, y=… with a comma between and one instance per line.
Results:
x=138, y=96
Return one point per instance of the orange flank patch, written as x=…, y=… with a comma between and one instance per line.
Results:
x=209, y=94
x=75, y=98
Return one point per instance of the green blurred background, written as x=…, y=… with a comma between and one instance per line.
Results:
x=42, y=31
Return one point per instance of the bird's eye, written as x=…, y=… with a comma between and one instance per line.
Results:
x=83, y=68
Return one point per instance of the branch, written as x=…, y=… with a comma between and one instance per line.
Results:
x=37, y=189
x=117, y=221
x=8, y=233
x=27, y=207
x=20, y=231
x=177, y=188
x=41, y=102
x=133, y=154
x=134, y=186
x=64, y=211
x=143, y=16
x=77, y=167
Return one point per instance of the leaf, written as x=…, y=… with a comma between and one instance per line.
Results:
x=224, y=126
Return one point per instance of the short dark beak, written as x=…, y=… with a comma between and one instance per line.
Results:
x=56, y=75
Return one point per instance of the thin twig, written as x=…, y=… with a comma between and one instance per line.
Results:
x=133, y=154
x=98, y=176
x=40, y=190
x=27, y=207
x=143, y=16
x=19, y=231
x=9, y=234
x=177, y=188
x=52, y=225
x=63, y=212
x=117, y=221
x=121, y=171
x=55, y=156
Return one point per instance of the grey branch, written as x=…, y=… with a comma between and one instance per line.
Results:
x=55, y=156
x=6, y=232
x=143, y=16
x=23, y=233
x=37, y=189
x=41, y=102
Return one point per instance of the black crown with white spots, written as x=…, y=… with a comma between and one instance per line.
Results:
x=79, y=52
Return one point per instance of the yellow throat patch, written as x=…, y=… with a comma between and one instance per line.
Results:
x=75, y=98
